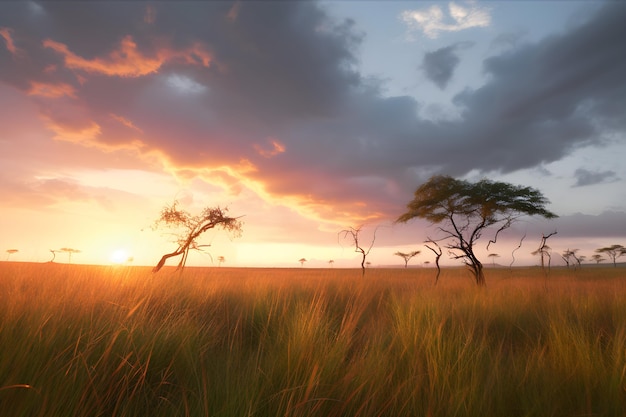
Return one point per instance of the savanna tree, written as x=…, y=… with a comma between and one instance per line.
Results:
x=613, y=252
x=544, y=250
x=188, y=229
x=465, y=210
x=70, y=252
x=354, y=235
x=11, y=252
x=597, y=258
x=220, y=260
x=493, y=257
x=407, y=256
x=438, y=252
x=302, y=261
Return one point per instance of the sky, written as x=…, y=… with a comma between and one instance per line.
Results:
x=306, y=118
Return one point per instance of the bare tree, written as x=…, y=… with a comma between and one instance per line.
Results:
x=331, y=263
x=438, y=252
x=354, y=233
x=189, y=228
x=54, y=255
x=544, y=250
x=302, y=261
x=11, y=252
x=613, y=251
x=407, y=256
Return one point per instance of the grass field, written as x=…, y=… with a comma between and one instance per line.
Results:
x=105, y=341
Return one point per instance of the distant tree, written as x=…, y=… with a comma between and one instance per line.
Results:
x=11, y=252
x=188, y=229
x=302, y=261
x=569, y=256
x=613, y=252
x=544, y=250
x=597, y=258
x=407, y=256
x=54, y=255
x=69, y=252
x=354, y=233
x=220, y=260
x=331, y=263
x=493, y=257
x=368, y=264
x=465, y=210
x=438, y=252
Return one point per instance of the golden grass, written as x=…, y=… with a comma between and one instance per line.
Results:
x=117, y=341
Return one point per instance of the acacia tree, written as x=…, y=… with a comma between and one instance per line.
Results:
x=597, y=258
x=544, y=250
x=302, y=261
x=354, y=234
x=407, y=256
x=493, y=257
x=464, y=210
x=220, y=260
x=69, y=252
x=189, y=228
x=11, y=252
x=613, y=252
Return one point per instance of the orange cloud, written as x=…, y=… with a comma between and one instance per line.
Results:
x=125, y=122
x=234, y=11
x=81, y=134
x=276, y=149
x=51, y=90
x=127, y=60
x=5, y=33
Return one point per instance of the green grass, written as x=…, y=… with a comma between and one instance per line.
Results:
x=101, y=341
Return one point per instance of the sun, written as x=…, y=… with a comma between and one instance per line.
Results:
x=119, y=256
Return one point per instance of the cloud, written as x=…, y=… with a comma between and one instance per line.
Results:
x=439, y=65
x=585, y=177
x=431, y=21
x=268, y=99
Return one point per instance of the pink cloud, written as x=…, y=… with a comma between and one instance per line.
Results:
x=51, y=90
x=5, y=33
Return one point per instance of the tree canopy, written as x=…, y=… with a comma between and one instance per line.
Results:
x=464, y=210
x=190, y=228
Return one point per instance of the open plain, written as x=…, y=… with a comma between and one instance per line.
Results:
x=84, y=341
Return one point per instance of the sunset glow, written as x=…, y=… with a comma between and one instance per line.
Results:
x=304, y=118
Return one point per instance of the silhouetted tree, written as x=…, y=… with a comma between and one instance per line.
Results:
x=220, y=260
x=466, y=209
x=11, y=252
x=302, y=261
x=407, y=256
x=544, y=250
x=597, y=258
x=331, y=263
x=354, y=233
x=69, y=252
x=189, y=228
x=438, y=252
x=493, y=257
x=613, y=252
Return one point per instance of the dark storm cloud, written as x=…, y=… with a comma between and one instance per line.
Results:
x=585, y=177
x=269, y=92
x=438, y=66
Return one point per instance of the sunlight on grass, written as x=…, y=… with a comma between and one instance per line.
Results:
x=86, y=341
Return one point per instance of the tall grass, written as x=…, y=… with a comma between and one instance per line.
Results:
x=101, y=341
